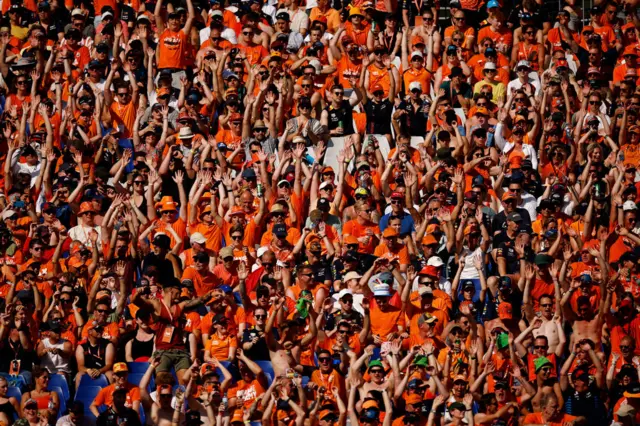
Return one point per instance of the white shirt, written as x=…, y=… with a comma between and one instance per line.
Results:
x=227, y=34
x=528, y=150
x=17, y=167
x=81, y=233
x=517, y=84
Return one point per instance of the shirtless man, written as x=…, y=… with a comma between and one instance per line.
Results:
x=285, y=351
x=588, y=324
x=551, y=325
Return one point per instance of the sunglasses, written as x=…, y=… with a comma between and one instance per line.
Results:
x=260, y=316
x=236, y=237
x=324, y=359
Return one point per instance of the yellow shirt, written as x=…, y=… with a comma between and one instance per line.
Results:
x=19, y=32
x=499, y=89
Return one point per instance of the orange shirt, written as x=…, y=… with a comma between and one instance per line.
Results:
x=81, y=55
x=353, y=227
x=293, y=235
x=226, y=277
x=358, y=36
x=345, y=67
x=212, y=233
x=332, y=15
x=124, y=115
x=503, y=39
x=172, y=48
x=379, y=76
x=219, y=346
x=421, y=75
x=105, y=396
x=201, y=283
x=246, y=393
x=383, y=323
x=329, y=381
x=179, y=226
x=109, y=332
x=536, y=418
x=400, y=251
x=254, y=53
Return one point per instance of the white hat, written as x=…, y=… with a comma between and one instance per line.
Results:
x=626, y=410
x=185, y=133
x=489, y=66
x=7, y=214
x=435, y=261
x=629, y=205
x=417, y=53
x=316, y=64
x=343, y=293
x=351, y=276
x=107, y=13
x=261, y=250
x=523, y=63
x=415, y=85
x=197, y=237
x=216, y=13
x=381, y=290
x=324, y=184
x=76, y=12
x=425, y=290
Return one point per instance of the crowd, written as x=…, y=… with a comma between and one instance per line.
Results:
x=319, y=213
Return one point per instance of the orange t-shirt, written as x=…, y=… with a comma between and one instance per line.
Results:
x=212, y=233
x=383, y=323
x=219, y=346
x=353, y=227
x=124, y=115
x=401, y=251
x=105, y=396
x=380, y=76
x=503, y=39
x=247, y=393
x=422, y=76
x=109, y=331
x=201, y=284
x=536, y=418
x=172, y=48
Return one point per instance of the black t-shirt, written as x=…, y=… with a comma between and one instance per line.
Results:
x=378, y=117
x=110, y=418
x=506, y=249
x=499, y=222
x=414, y=122
x=259, y=351
x=341, y=117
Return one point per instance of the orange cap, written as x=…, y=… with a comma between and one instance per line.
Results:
x=414, y=398
x=390, y=232
x=417, y=40
x=505, y=310
x=630, y=50
x=428, y=240
x=120, y=367
x=86, y=207
x=163, y=91
x=509, y=196
x=237, y=210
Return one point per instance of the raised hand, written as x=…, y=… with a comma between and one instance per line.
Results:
x=178, y=177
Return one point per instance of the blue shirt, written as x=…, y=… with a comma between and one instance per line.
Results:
x=407, y=226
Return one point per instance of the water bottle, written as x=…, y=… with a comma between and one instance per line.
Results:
x=225, y=402
x=259, y=189
x=51, y=405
